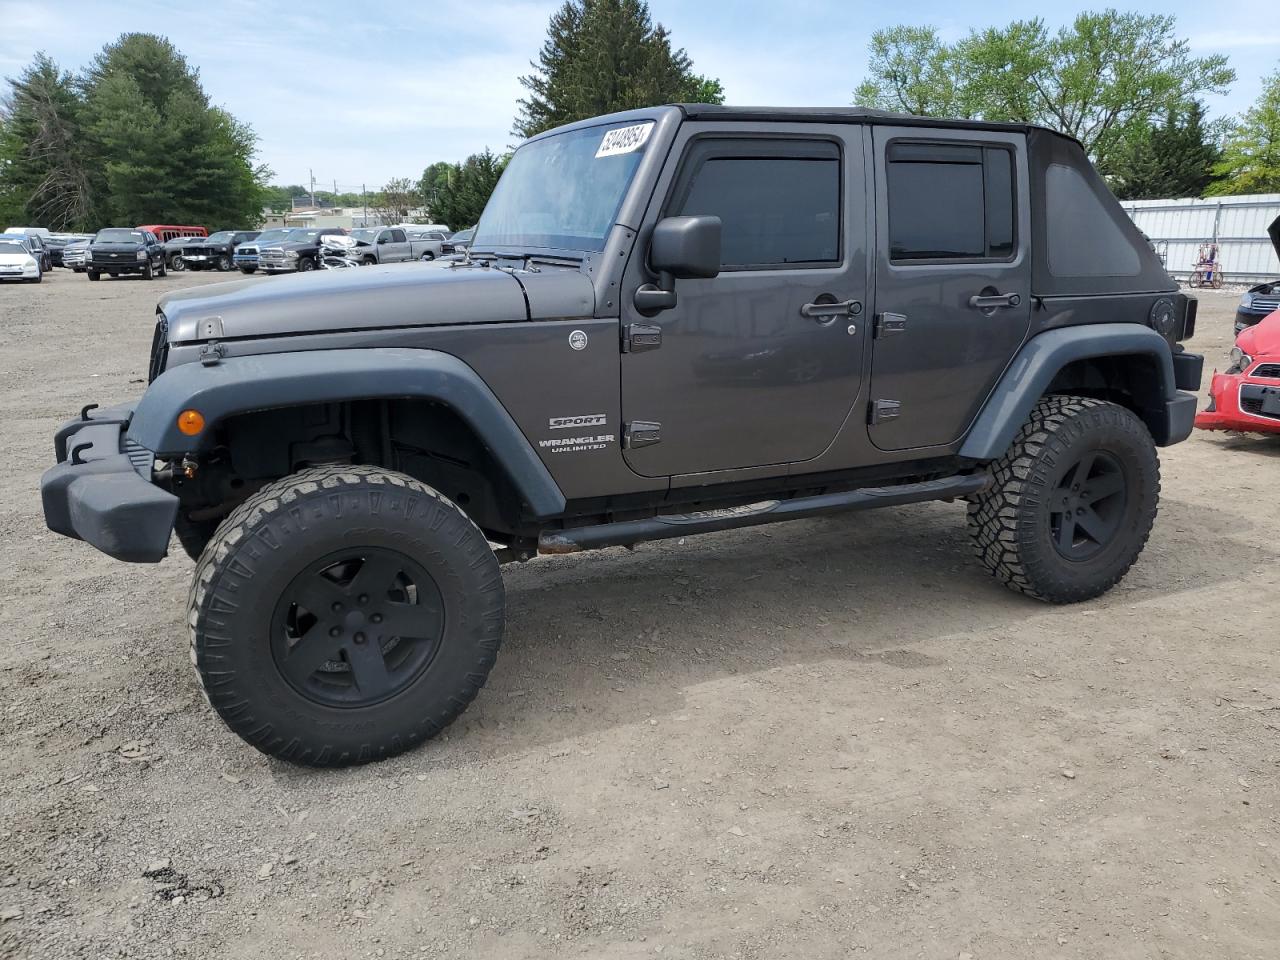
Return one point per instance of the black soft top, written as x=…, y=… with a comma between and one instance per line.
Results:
x=711, y=111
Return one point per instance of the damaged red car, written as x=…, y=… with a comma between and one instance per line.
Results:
x=1246, y=397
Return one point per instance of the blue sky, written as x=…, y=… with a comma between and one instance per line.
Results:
x=361, y=92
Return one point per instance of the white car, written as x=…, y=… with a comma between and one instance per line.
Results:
x=17, y=262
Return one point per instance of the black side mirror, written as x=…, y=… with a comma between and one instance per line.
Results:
x=681, y=248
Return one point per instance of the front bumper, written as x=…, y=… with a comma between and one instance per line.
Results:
x=1243, y=403
x=1246, y=318
x=24, y=273
x=100, y=491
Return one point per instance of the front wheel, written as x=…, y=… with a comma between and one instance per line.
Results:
x=224, y=264
x=248, y=270
x=177, y=264
x=370, y=621
x=305, y=264
x=94, y=274
x=148, y=272
x=1071, y=502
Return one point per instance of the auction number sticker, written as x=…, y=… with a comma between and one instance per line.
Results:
x=622, y=140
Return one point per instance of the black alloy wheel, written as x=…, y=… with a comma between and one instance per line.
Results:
x=357, y=627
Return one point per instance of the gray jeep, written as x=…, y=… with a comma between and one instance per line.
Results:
x=671, y=321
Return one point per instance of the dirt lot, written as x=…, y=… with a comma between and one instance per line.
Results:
x=825, y=739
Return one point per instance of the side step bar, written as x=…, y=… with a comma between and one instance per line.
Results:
x=627, y=532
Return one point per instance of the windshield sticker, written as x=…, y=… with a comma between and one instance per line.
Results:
x=624, y=140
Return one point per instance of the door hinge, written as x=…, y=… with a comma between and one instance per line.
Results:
x=883, y=410
x=641, y=433
x=638, y=337
x=887, y=324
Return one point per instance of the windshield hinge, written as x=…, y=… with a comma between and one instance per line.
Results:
x=638, y=337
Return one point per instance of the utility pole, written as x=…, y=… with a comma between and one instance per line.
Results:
x=364, y=199
x=312, y=174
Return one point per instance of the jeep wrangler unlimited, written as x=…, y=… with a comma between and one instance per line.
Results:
x=671, y=321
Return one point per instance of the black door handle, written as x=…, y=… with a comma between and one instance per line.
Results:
x=845, y=308
x=991, y=302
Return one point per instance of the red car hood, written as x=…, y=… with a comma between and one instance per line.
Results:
x=1263, y=338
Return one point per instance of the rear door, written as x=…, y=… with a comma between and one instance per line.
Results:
x=953, y=278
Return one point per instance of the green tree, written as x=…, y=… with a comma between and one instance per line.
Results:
x=910, y=70
x=45, y=169
x=1174, y=159
x=1251, y=156
x=456, y=193
x=167, y=155
x=601, y=56
x=394, y=201
x=1104, y=79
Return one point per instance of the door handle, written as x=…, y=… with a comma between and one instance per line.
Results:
x=818, y=311
x=993, y=301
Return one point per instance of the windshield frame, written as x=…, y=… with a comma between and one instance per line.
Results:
x=566, y=244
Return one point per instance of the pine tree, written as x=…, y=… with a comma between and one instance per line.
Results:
x=1175, y=159
x=601, y=56
x=456, y=193
x=46, y=179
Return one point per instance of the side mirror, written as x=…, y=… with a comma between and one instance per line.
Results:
x=686, y=247
x=681, y=248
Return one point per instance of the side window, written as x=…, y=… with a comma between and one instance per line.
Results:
x=778, y=200
x=950, y=202
x=397, y=236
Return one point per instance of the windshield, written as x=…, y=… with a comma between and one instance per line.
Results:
x=565, y=190
x=12, y=246
x=222, y=236
x=301, y=236
x=267, y=236
x=119, y=235
x=365, y=235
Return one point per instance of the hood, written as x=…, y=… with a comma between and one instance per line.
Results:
x=396, y=295
x=122, y=246
x=1263, y=338
x=15, y=259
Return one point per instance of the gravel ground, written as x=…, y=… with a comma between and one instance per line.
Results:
x=823, y=739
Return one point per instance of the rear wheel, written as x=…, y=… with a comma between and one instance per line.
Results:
x=344, y=614
x=427, y=256
x=1071, y=503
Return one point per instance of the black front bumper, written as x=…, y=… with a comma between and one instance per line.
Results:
x=1247, y=318
x=100, y=491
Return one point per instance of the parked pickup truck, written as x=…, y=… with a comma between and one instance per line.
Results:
x=393, y=245
x=215, y=251
x=299, y=251
x=246, y=256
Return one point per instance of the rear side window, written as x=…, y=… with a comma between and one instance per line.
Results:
x=1073, y=212
x=778, y=200
x=950, y=202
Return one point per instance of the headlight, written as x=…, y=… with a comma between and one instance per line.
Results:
x=1240, y=361
x=142, y=254
x=1246, y=300
x=291, y=254
x=28, y=263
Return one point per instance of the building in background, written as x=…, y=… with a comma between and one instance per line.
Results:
x=1237, y=225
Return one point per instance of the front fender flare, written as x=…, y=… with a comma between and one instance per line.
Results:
x=1040, y=359
x=246, y=384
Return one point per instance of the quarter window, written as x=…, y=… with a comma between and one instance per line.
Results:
x=950, y=202
x=778, y=201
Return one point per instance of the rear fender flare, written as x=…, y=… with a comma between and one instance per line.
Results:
x=246, y=384
x=1041, y=358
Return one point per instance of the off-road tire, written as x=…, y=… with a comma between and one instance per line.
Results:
x=287, y=528
x=1010, y=521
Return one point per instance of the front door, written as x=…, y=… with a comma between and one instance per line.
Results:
x=761, y=364
x=953, y=278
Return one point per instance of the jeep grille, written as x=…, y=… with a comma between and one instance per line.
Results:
x=159, y=348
